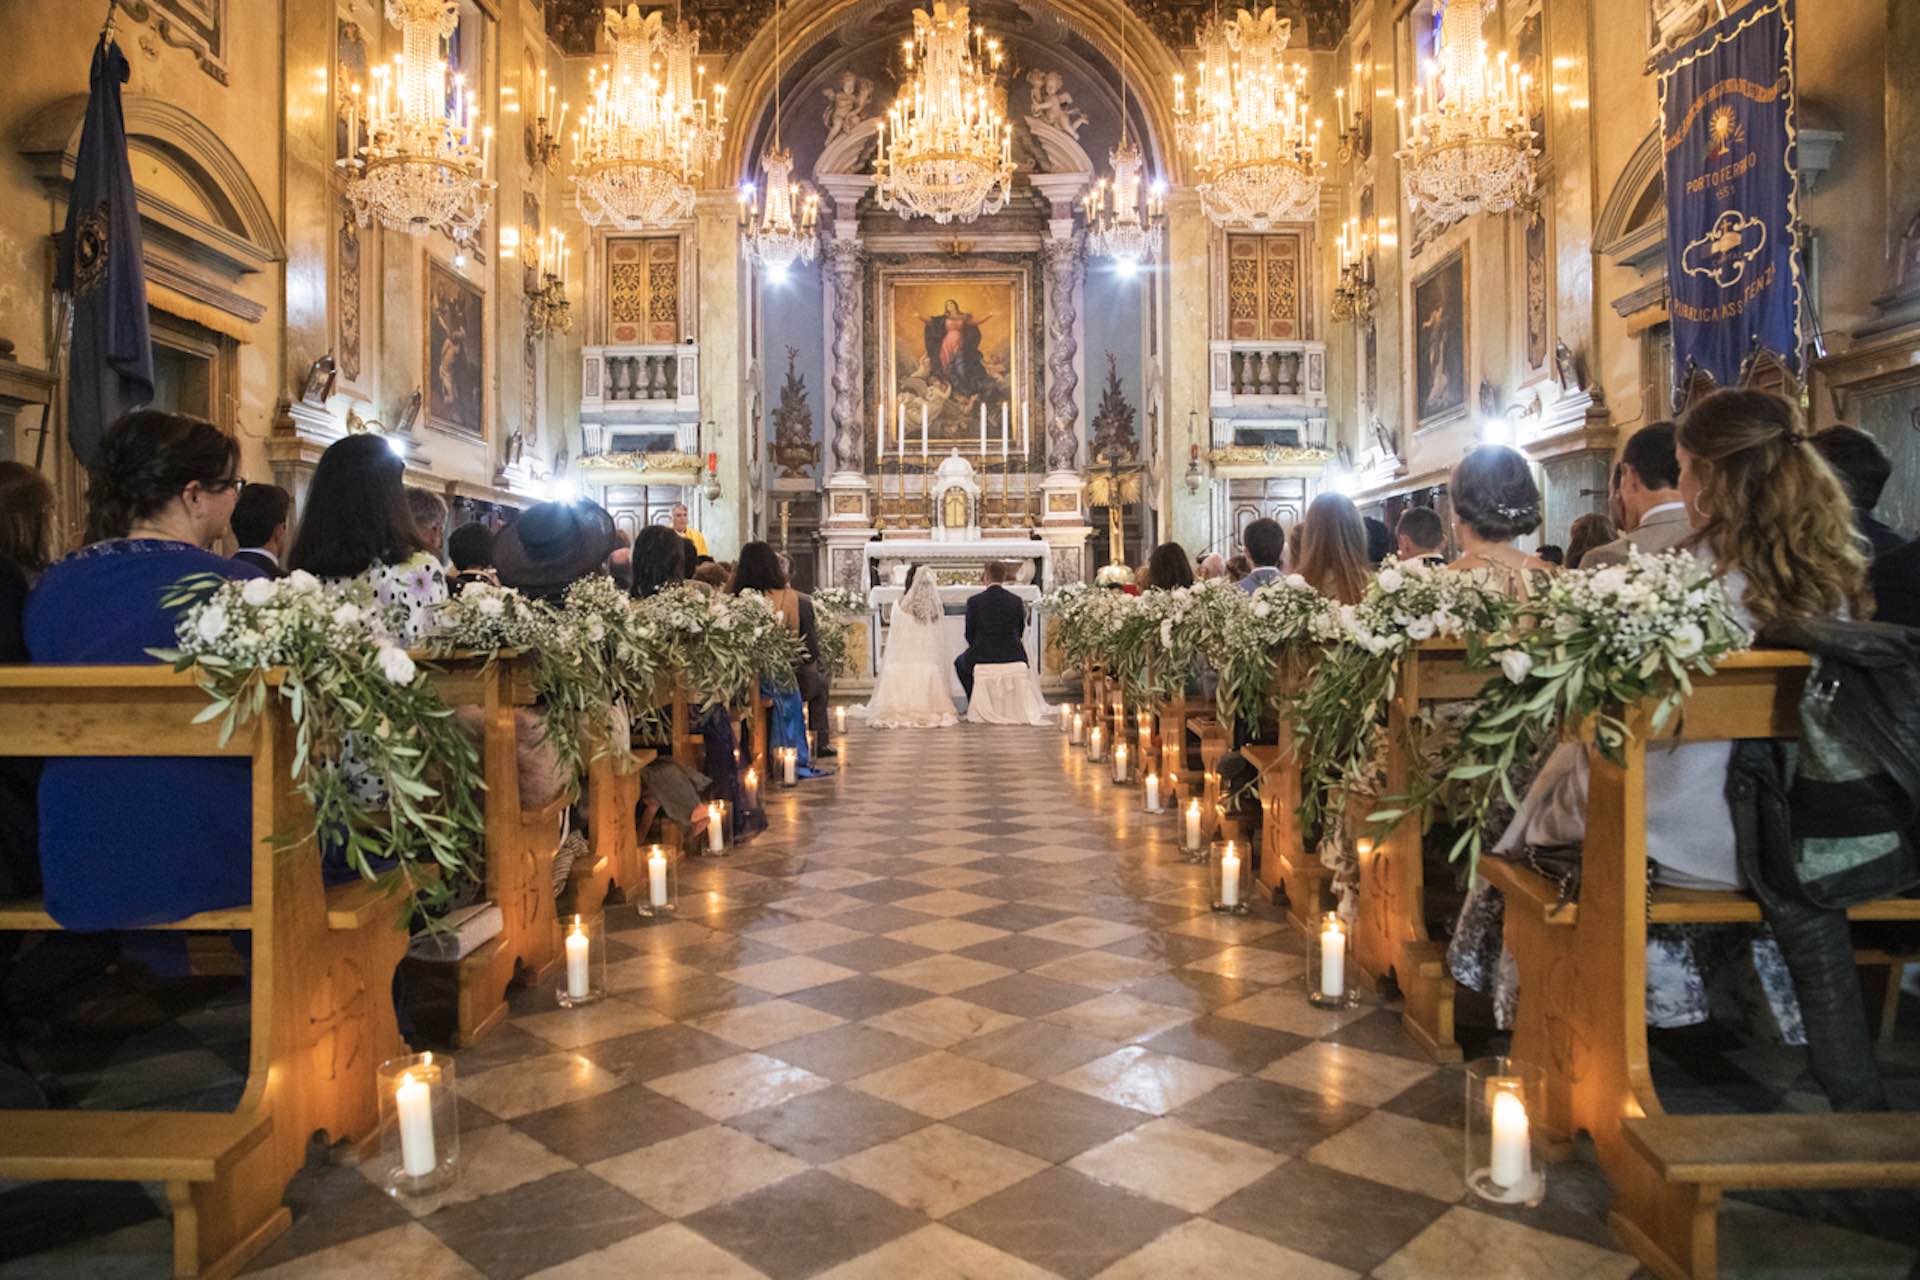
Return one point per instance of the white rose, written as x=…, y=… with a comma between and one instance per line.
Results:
x=1610, y=580
x=491, y=606
x=1516, y=664
x=596, y=630
x=258, y=591
x=1297, y=582
x=346, y=615
x=212, y=623
x=395, y=665
x=301, y=580
x=1391, y=580
x=1262, y=609
x=1688, y=640
x=1420, y=629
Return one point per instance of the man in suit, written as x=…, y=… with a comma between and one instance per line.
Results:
x=996, y=619
x=1864, y=469
x=1647, y=497
x=259, y=522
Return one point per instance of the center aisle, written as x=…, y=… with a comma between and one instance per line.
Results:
x=962, y=1012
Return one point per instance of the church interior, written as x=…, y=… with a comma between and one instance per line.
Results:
x=1021, y=289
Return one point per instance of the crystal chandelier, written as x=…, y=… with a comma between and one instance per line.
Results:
x=1354, y=296
x=783, y=233
x=415, y=159
x=648, y=131
x=548, y=311
x=1469, y=148
x=1255, y=147
x=945, y=148
x=1117, y=227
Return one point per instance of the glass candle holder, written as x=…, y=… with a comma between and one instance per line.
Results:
x=1151, y=798
x=419, y=1124
x=750, y=789
x=1501, y=1162
x=787, y=761
x=717, y=839
x=1122, y=765
x=1066, y=717
x=1077, y=729
x=1329, y=964
x=1097, y=744
x=1231, y=873
x=583, y=976
x=840, y=719
x=1193, y=836
x=660, y=900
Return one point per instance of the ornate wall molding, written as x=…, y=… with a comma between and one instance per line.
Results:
x=725, y=26
x=198, y=26
x=1176, y=22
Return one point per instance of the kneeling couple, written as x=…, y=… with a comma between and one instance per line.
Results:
x=914, y=689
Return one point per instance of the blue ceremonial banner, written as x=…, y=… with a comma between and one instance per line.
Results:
x=1727, y=122
x=111, y=366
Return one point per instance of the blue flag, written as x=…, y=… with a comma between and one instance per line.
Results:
x=111, y=367
x=1727, y=122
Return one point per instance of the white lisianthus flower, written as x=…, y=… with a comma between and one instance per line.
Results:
x=1609, y=581
x=395, y=664
x=1297, y=582
x=1420, y=629
x=346, y=615
x=490, y=606
x=1516, y=664
x=1391, y=580
x=212, y=623
x=596, y=630
x=258, y=591
x=1166, y=633
x=1688, y=640
x=301, y=580
x=1262, y=609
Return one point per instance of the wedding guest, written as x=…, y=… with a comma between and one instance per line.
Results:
x=1265, y=545
x=1896, y=585
x=1589, y=531
x=620, y=560
x=1333, y=549
x=1211, y=567
x=552, y=546
x=160, y=497
x=713, y=574
x=1864, y=469
x=759, y=570
x=697, y=538
x=430, y=515
x=1494, y=502
x=1553, y=553
x=1379, y=540
x=1646, y=496
x=1168, y=567
x=1238, y=567
x=470, y=549
x=261, y=516
x=359, y=524
x=1420, y=536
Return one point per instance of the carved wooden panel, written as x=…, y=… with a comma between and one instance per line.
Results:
x=1263, y=287
x=643, y=290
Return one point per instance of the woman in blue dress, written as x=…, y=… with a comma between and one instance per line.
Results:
x=759, y=570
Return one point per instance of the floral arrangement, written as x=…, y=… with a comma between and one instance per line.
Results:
x=834, y=609
x=1339, y=712
x=1602, y=640
x=376, y=752
x=1158, y=638
x=1279, y=617
x=1113, y=575
x=1085, y=619
x=719, y=645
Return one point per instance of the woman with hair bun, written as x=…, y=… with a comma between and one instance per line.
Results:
x=1494, y=502
x=158, y=500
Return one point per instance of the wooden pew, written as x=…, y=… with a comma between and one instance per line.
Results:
x=1390, y=931
x=1582, y=1007
x=1286, y=864
x=321, y=1004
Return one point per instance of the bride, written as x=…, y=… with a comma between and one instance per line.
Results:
x=914, y=691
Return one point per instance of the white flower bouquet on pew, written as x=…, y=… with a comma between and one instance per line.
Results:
x=1086, y=619
x=1155, y=640
x=411, y=793
x=834, y=610
x=1598, y=642
x=721, y=646
x=1256, y=632
x=1340, y=712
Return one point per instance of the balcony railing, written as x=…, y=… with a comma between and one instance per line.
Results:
x=641, y=379
x=1269, y=375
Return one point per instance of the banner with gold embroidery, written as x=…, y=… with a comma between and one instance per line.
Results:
x=1727, y=123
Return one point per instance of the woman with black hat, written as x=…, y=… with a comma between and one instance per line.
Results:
x=552, y=546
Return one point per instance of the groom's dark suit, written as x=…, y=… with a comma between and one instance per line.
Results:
x=995, y=621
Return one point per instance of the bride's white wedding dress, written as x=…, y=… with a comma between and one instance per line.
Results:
x=915, y=686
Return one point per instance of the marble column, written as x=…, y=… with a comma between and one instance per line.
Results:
x=848, y=523
x=1184, y=343
x=722, y=340
x=1065, y=257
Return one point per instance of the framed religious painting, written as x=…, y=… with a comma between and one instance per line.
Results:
x=1529, y=51
x=1439, y=342
x=1536, y=310
x=455, y=358
x=954, y=348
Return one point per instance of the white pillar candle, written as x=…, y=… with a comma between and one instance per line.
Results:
x=923, y=429
x=716, y=827
x=1193, y=824
x=839, y=719
x=1333, y=959
x=1005, y=436
x=1094, y=742
x=750, y=789
x=1512, y=1158
x=579, y=947
x=983, y=429
x=1153, y=793
x=1079, y=731
x=1066, y=717
x=1120, y=762
x=413, y=1104
x=790, y=765
x=1230, y=877
x=657, y=877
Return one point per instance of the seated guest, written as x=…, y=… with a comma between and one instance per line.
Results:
x=470, y=549
x=759, y=570
x=1333, y=549
x=1419, y=536
x=1265, y=544
x=1380, y=541
x=620, y=560
x=430, y=516
x=1168, y=568
x=552, y=546
x=260, y=518
x=1494, y=502
x=178, y=836
x=1863, y=468
x=1553, y=553
x=359, y=524
x=1211, y=566
x=1238, y=567
x=1646, y=494
x=1589, y=531
x=713, y=574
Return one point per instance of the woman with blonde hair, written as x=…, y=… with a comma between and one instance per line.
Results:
x=1333, y=549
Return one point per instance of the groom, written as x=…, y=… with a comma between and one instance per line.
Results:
x=995, y=621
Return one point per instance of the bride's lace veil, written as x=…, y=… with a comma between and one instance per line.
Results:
x=922, y=601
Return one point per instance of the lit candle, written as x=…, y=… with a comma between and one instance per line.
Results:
x=790, y=765
x=840, y=719
x=657, y=877
x=1120, y=762
x=1512, y=1157
x=716, y=826
x=1005, y=438
x=413, y=1103
x=1193, y=824
x=1230, y=877
x=1095, y=740
x=923, y=428
x=1066, y=717
x=902, y=449
x=578, y=945
x=1333, y=958
x=1153, y=793
x=1363, y=850
x=983, y=429
x=750, y=789
x=1079, y=731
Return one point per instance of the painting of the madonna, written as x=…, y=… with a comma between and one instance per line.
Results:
x=953, y=349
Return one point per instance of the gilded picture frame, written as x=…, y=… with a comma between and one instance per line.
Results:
x=454, y=361
x=1439, y=340
x=953, y=342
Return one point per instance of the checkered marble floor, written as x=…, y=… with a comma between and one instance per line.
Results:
x=962, y=1012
